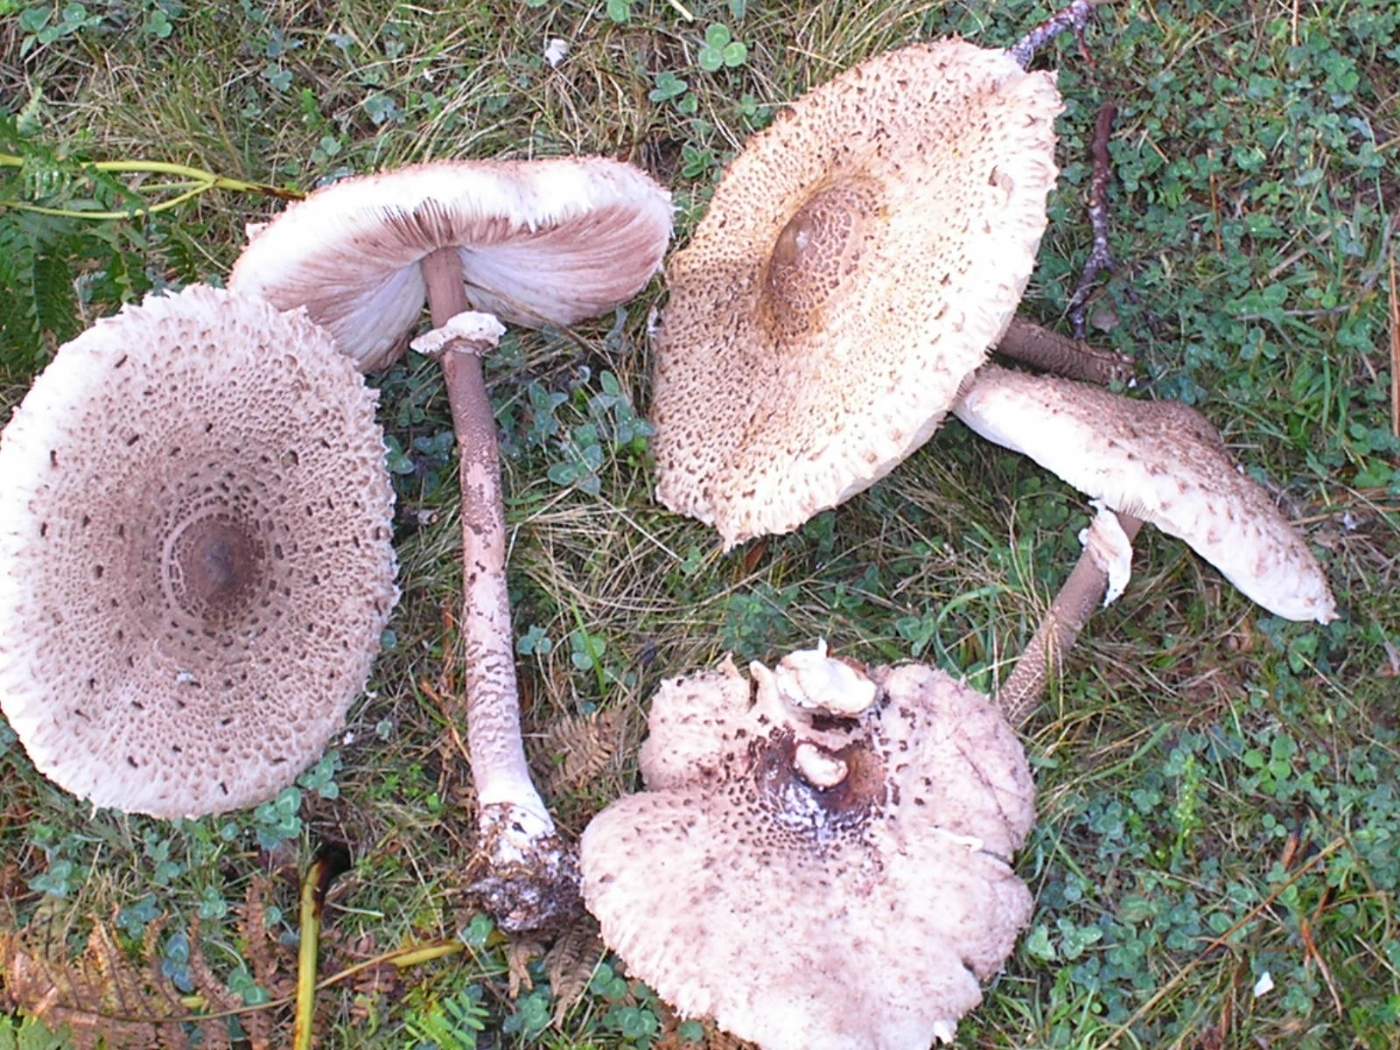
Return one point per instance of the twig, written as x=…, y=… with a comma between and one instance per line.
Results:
x=1075, y=17
x=1394, y=353
x=1310, y=946
x=399, y=958
x=1100, y=258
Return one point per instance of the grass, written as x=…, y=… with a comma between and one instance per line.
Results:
x=1218, y=788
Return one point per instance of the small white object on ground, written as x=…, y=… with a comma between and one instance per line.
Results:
x=556, y=51
x=1264, y=985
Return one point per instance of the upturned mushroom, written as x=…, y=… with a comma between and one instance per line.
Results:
x=840, y=836
x=195, y=556
x=535, y=243
x=856, y=262
x=821, y=857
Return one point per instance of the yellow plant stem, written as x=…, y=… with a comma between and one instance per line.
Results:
x=400, y=958
x=330, y=861
x=198, y=179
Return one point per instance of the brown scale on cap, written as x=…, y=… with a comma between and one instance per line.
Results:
x=855, y=264
x=863, y=913
x=195, y=558
x=818, y=250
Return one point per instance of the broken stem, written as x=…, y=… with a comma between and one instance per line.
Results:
x=1041, y=348
x=499, y=770
x=1068, y=613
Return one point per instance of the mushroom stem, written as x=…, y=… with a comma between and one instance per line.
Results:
x=499, y=770
x=523, y=873
x=1049, y=351
x=1068, y=613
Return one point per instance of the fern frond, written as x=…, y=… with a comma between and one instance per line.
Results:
x=105, y=999
x=576, y=748
x=89, y=996
x=450, y=1024
x=571, y=962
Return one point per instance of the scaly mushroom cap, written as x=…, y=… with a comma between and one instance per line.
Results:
x=541, y=242
x=857, y=261
x=1162, y=462
x=195, y=558
x=812, y=882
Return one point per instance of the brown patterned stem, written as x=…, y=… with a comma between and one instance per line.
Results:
x=499, y=769
x=1049, y=351
x=1056, y=635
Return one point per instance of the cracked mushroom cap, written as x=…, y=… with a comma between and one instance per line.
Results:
x=195, y=558
x=1160, y=461
x=855, y=264
x=814, y=882
x=541, y=242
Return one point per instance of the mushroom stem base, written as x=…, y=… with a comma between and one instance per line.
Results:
x=524, y=874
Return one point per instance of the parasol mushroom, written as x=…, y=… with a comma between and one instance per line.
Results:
x=857, y=261
x=195, y=556
x=814, y=881
x=840, y=836
x=534, y=243
x=1159, y=461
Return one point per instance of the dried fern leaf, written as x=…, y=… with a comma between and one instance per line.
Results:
x=571, y=962
x=101, y=998
x=576, y=748
x=518, y=956
x=273, y=966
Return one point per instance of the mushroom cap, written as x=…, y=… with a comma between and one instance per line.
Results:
x=541, y=242
x=1163, y=462
x=195, y=557
x=855, y=264
x=806, y=917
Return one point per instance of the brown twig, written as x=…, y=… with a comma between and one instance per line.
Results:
x=1075, y=17
x=1100, y=258
x=1310, y=947
x=1394, y=353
